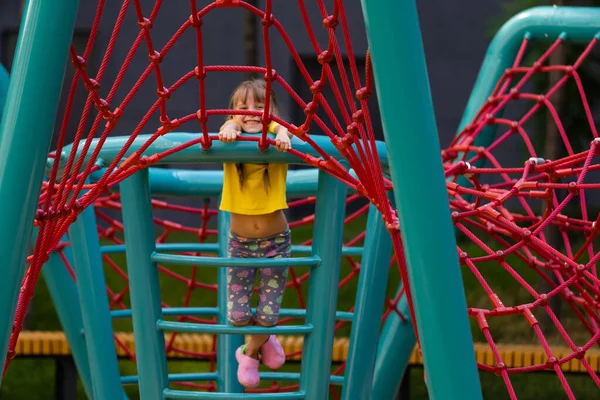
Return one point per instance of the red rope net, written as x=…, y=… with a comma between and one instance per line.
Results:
x=504, y=213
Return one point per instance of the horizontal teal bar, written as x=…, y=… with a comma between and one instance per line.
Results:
x=346, y=251
x=168, y=326
x=211, y=376
x=173, y=311
x=236, y=262
x=190, y=377
x=182, y=394
x=212, y=311
x=199, y=247
x=213, y=248
x=240, y=151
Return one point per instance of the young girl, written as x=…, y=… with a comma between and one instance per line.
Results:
x=255, y=196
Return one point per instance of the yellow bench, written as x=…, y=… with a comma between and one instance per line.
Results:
x=52, y=344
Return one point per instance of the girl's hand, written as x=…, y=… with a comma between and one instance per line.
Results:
x=229, y=132
x=282, y=140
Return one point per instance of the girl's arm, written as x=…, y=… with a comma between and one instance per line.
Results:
x=283, y=137
x=277, y=129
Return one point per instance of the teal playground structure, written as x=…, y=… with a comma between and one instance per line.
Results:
x=409, y=157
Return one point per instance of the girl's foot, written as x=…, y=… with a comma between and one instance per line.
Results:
x=272, y=353
x=247, y=372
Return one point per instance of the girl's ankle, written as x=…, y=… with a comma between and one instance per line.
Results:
x=249, y=353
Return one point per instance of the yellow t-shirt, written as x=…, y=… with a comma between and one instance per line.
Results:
x=253, y=199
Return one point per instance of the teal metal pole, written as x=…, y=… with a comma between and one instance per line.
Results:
x=144, y=286
x=323, y=287
x=396, y=344
x=368, y=309
x=4, y=78
x=95, y=312
x=227, y=381
x=66, y=303
x=439, y=300
x=25, y=130
x=544, y=23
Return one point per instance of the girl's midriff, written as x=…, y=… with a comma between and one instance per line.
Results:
x=258, y=226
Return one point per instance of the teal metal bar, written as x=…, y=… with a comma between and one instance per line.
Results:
x=226, y=344
x=95, y=312
x=396, y=344
x=184, y=377
x=323, y=287
x=182, y=394
x=439, y=301
x=144, y=286
x=225, y=262
x=242, y=151
x=544, y=23
x=4, y=78
x=25, y=130
x=203, y=183
x=368, y=309
x=225, y=329
x=199, y=247
x=66, y=303
x=211, y=376
x=214, y=248
x=213, y=311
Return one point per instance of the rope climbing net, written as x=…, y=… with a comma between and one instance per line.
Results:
x=532, y=221
x=505, y=213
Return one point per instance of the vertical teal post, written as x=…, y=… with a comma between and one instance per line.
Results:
x=396, y=345
x=323, y=286
x=95, y=312
x=144, y=287
x=402, y=84
x=25, y=131
x=226, y=344
x=66, y=303
x=368, y=309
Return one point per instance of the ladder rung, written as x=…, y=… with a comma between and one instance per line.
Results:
x=214, y=248
x=182, y=394
x=199, y=247
x=169, y=326
x=183, y=377
x=213, y=311
x=200, y=261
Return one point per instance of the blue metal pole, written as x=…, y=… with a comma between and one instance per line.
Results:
x=396, y=344
x=368, y=309
x=435, y=278
x=144, y=286
x=323, y=287
x=25, y=131
x=95, y=312
x=66, y=303
x=226, y=344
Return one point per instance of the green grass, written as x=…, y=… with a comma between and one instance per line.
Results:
x=34, y=378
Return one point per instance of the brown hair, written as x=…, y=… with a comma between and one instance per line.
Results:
x=257, y=88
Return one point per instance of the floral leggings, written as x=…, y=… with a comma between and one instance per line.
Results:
x=240, y=281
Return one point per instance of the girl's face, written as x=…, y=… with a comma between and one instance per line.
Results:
x=249, y=123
